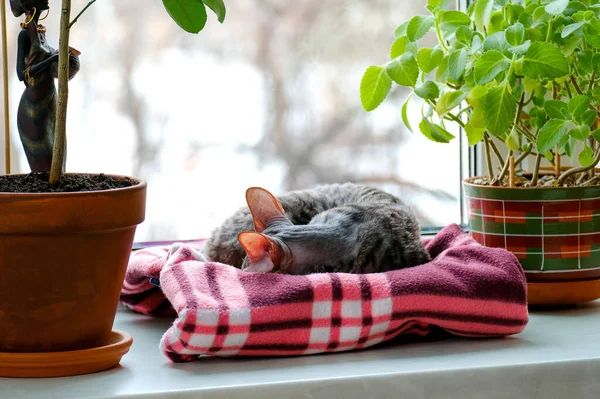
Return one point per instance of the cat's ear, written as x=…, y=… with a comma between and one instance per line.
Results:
x=259, y=249
x=264, y=207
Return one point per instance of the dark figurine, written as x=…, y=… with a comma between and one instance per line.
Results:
x=37, y=66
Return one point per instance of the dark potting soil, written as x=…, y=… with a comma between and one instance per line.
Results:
x=38, y=183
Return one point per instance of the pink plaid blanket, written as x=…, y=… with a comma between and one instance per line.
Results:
x=467, y=290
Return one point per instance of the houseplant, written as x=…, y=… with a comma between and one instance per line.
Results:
x=522, y=79
x=65, y=239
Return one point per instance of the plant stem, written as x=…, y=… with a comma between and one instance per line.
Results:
x=549, y=31
x=580, y=169
x=488, y=157
x=525, y=133
x=5, y=91
x=568, y=89
x=557, y=164
x=82, y=11
x=456, y=119
x=439, y=35
x=523, y=155
x=575, y=85
x=465, y=109
x=495, y=149
x=592, y=79
x=536, y=170
x=60, y=133
x=506, y=165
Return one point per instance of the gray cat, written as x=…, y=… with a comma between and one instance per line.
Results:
x=347, y=228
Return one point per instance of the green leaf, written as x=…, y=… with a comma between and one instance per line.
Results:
x=530, y=84
x=522, y=49
x=596, y=62
x=441, y=75
x=489, y=65
x=500, y=108
x=497, y=22
x=401, y=30
x=497, y=42
x=580, y=133
x=429, y=59
x=218, y=7
x=515, y=35
x=556, y=109
x=477, y=118
x=578, y=105
x=567, y=30
x=592, y=35
x=586, y=157
x=457, y=61
x=449, y=101
x=556, y=7
x=405, y=114
x=452, y=20
x=404, y=70
x=550, y=134
x=513, y=141
x=474, y=134
x=464, y=34
x=418, y=27
x=482, y=12
x=374, y=87
x=596, y=134
x=476, y=95
x=544, y=60
x=432, y=5
x=586, y=60
x=402, y=45
x=588, y=117
x=573, y=7
x=435, y=132
x=428, y=90
x=189, y=15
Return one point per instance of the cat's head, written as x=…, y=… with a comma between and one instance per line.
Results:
x=265, y=251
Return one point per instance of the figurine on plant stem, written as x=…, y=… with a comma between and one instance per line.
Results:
x=37, y=67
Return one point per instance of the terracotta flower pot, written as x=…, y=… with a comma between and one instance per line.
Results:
x=554, y=232
x=63, y=258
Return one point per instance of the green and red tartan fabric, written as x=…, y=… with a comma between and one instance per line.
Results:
x=546, y=228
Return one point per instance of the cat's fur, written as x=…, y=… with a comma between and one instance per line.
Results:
x=347, y=228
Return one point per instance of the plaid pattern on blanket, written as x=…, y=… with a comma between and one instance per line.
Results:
x=467, y=290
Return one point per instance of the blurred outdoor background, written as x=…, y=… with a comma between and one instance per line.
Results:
x=269, y=98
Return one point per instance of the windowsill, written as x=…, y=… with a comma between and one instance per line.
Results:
x=557, y=356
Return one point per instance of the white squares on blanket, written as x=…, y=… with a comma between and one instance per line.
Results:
x=201, y=340
x=207, y=318
x=235, y=340
x=352, y=309
x=349, y=334
x=379, y=328
x=239, y=317
x=319, y=335
x=321, y=310
x=381, y=307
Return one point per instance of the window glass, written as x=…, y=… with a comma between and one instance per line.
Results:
x=269, y=98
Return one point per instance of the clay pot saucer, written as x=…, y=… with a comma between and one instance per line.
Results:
x=68, y=363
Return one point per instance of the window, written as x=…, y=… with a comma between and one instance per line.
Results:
x=269, y=98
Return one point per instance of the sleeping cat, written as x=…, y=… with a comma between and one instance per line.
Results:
x=347, y=228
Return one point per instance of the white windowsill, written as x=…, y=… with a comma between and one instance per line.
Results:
x=557, y=356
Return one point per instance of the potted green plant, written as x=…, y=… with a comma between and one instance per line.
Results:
x=521, y=78
x=65, y=238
